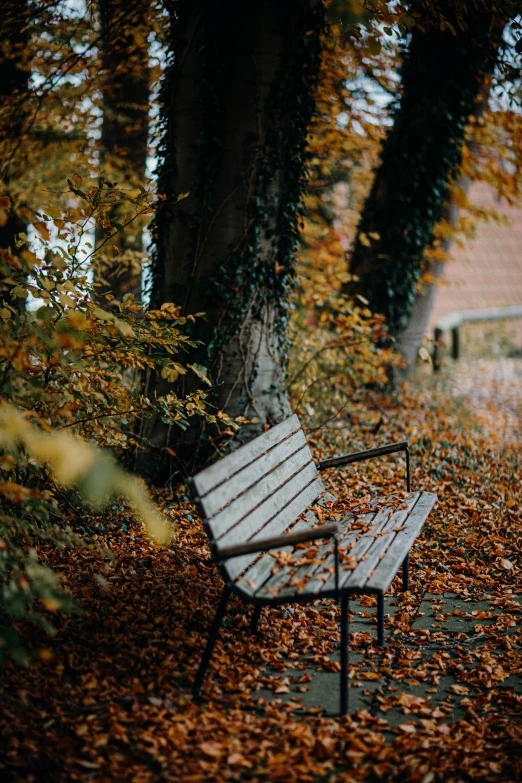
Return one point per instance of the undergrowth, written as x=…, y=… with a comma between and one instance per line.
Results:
x=73, y=394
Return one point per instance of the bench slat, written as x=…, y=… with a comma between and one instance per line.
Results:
x=298, y=494
x=377, y=522
x=226, y=468
x=378, y=546
x=256, y=576
x=255, y=479
x=308, y=575
x=383, y=555
x=317, y=582
x=365, y=546
x=248, y=513
x=250, y=581
x=401, y=544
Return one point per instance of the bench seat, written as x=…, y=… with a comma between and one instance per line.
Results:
x=258, y=507
x=374, y=552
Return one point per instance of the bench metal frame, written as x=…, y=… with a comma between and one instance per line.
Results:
x=325, y=531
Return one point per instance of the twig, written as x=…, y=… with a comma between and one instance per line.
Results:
x=331, y=418
x=101, y=416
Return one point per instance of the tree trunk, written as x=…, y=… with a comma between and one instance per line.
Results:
x=125, y=81
x=442, y=77
x=237, y=102
x=14, y=82
x=411, y=337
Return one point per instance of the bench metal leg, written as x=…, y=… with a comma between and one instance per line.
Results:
x=255, y=619
x=406, y=573
x=212, y=639
x=345, y=629
x=380, y=619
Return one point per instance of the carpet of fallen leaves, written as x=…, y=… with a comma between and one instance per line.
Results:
x=108, y=697
x=492, y=389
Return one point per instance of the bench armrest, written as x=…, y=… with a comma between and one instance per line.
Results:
x=288, y=539
x=359, y=456
x=380, y=451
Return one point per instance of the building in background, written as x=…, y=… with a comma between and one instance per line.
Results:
x=487, y=271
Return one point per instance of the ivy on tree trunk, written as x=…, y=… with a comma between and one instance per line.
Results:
x=442, y=78
x=237, y=101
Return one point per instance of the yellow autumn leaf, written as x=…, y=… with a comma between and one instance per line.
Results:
x=424, y=355
x=46, y=283
x=170, y=374
x=374, y=45
x=78, y=320
x=29, y=257
x=104, y=315
x=52, y=211
x=42, y=229
x=66, y=300
x=73, y=462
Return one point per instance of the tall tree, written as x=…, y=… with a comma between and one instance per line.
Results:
x=237, y=101
x=125, y=86
x=435, y=259
x=14, y=80
x=443, y=75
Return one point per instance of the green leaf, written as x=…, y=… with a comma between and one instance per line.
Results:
x=201, y=372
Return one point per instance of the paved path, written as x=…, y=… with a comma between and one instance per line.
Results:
x=449, y=655
x=491, y=389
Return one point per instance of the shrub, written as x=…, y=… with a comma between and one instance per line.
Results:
x=71, y=377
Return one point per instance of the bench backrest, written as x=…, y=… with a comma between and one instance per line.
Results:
x=258, y=490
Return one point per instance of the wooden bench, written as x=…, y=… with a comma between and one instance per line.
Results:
x=248, y=501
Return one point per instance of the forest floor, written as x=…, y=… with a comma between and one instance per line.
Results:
x=108, y=697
